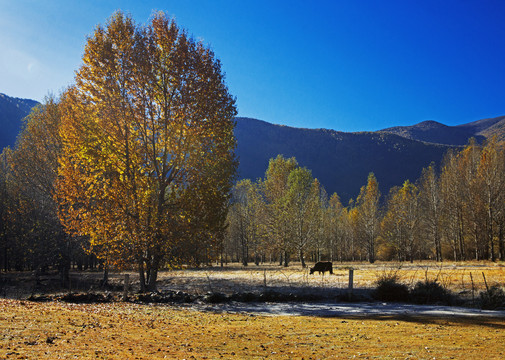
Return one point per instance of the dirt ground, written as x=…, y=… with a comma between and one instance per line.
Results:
x=54, y=330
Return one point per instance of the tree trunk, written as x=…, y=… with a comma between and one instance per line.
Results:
x=491, y=242
x=302, y=258
x=438, y=247
x=105, y=279
x=142, y=277
x=153, y=276
x=490, y=228
x=286, y=259
x=5, y=257
x=371, y=251
x=476, y=241
x=501, y=247
x=64, y=273
x=245, y=253
x=461, y=239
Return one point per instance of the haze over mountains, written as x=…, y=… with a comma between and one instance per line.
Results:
x=340, y=160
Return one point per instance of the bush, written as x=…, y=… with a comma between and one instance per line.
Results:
x=390, y=289
x=430, y=292
x=216, y=298
x=86, y=298
x=493, y=298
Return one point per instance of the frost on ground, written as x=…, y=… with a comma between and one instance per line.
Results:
x=318, y=295
x=329, y=309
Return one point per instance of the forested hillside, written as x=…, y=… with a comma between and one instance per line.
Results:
x=341, y=161
x=488, y=127
x=435, y=132
x=12, y=110
x=457, y=213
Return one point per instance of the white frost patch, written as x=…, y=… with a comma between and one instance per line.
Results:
x=344, y=309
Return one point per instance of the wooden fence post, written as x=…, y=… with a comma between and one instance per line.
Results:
x=351, y=280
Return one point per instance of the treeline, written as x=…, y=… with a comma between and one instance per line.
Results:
x=31, y=235
x=455, y=212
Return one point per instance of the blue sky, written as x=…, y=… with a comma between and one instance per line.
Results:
x=346, y=65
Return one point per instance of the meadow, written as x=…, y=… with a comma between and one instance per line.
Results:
x=125, y=330
x=456, y=277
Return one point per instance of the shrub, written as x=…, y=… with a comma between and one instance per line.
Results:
x=389, y=288
x=430, y=292
x=493, y=298
x=215, y=298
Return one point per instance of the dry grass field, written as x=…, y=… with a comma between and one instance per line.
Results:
x=128, y=331
x=456, y=277
x=118, y=330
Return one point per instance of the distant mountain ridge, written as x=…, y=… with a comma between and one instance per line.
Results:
x=435, y=132
x=487, y=127
x=340, y=160
x=12, y=111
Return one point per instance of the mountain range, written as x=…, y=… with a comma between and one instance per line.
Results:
x=340, y=160
x=12, y=111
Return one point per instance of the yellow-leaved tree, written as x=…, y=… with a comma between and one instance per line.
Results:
x=148, y=148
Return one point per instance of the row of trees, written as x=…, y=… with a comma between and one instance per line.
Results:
x=459, y=214
x=134, y=163
x=456, y=212
x=287, y=215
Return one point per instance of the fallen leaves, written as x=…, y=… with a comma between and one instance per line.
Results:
x=122, y=331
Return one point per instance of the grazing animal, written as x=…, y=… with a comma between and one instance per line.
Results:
x=322, y=267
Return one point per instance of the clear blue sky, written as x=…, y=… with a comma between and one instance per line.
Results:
x=346, y=65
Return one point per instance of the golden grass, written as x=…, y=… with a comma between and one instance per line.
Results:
x=456, y=277
x=129, y=331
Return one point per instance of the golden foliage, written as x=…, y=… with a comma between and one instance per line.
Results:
x=148, y=143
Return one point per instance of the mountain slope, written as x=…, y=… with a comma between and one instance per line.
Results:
x=341, y=161
x=12, y=110
x=435, y=132
x=487, y=127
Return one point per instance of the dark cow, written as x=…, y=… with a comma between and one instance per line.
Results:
x=322, y=267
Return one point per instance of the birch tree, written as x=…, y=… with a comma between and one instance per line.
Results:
x=369, y=216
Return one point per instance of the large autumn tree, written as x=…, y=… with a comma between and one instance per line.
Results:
x=148, y=147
